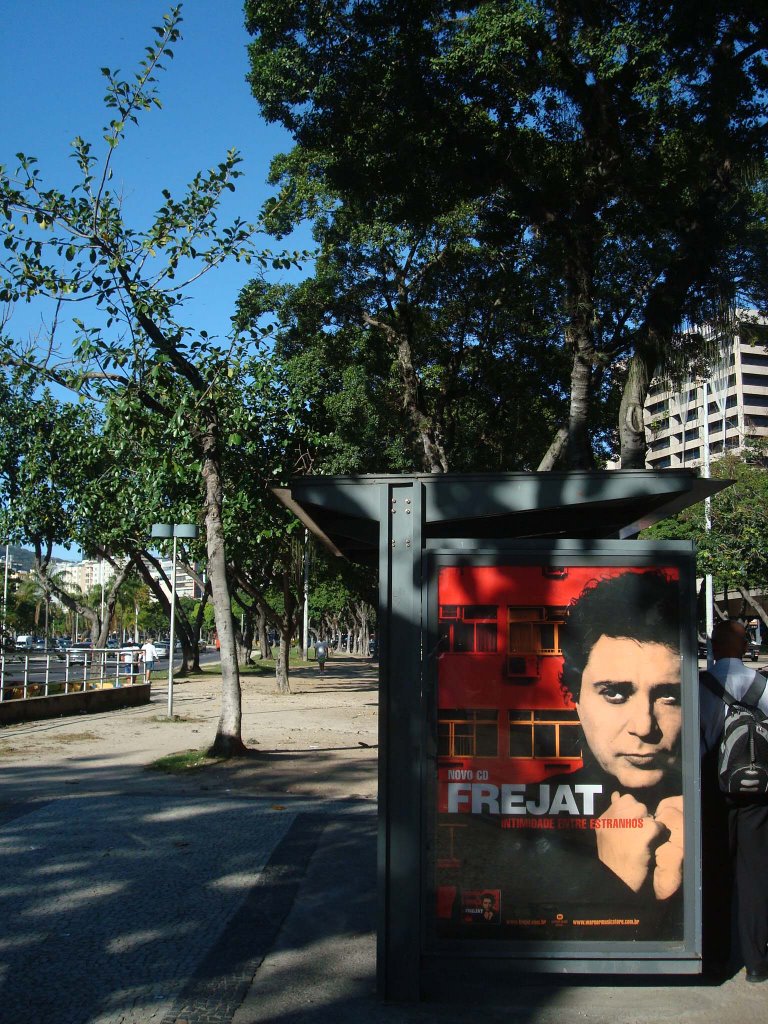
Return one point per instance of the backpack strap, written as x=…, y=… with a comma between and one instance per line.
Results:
x=714, y=685
x=750, y=699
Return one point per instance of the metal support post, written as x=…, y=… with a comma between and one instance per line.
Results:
x=401, y=748
x=305, y=633
x=172, y=639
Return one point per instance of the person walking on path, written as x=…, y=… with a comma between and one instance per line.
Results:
x=321, y=653
x=148, y=657
x=742, y=820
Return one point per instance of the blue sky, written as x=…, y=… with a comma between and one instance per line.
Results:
x=51, y=90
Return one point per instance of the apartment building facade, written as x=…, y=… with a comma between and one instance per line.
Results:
x=89, y=573
x=737, y=405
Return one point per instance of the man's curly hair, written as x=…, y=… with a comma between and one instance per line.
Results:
x=643, y=606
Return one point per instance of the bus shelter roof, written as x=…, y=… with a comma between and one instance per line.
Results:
x=344, y=512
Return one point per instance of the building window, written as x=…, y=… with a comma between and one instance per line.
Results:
x=470, y=628
x=545, y=734
x=535, y=630
x=467, y=732
x=753, y=358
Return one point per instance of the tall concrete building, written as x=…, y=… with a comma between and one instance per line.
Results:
x=186, y=584
x=86, y=574
x=737, y=405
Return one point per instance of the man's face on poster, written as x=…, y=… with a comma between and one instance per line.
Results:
x=629, y=708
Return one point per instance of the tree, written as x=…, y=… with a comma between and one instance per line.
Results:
x=612, y=147
x=735, y=550
x=136, y=353
x=51, y=453
x=342, y=599
x=412, y=349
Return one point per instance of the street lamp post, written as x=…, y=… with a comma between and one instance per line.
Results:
x=165, y=531
x=5, y=590
x=305, y=633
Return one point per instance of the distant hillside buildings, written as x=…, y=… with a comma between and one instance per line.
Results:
x=92, y=572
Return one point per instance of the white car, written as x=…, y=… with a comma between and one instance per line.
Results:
x=79, y=652
x=162, y=650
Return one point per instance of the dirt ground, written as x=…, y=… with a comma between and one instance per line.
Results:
x=320, y=740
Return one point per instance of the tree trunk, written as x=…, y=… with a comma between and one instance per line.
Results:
x=554, y=452
x=281, y=664
x=435, y=458
x=579, y=450
x=197, y=627
x=580, y=335
x=265, y=647
x=286, y=633
x=246, y=637
x=41, y=566
x=110, y=599
x=631, y=422
x=757, y=608
x=228, y=741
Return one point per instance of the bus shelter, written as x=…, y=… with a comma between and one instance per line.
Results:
x=538, y=754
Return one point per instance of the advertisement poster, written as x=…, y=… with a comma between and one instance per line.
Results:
x=559, y=789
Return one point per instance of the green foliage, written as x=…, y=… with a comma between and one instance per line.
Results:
x=50, y=453
x=610, y=158
x=183, y=415
x=406, y=347
x=184, y=761
x=735, y=550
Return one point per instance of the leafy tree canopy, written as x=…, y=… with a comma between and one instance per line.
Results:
x=612, y=148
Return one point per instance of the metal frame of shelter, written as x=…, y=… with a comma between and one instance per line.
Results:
x=402, y=525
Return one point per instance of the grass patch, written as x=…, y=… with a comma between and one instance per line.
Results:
x=258, y=668
x=74, y=737
x=183, y=761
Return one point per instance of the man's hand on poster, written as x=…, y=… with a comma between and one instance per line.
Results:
x=653, y=846
x=668, y=876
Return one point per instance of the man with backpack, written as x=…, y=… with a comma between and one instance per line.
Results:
x=734, y=705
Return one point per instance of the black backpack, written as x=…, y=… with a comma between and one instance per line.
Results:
x=742, y=758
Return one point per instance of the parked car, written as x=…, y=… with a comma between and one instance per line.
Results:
x=161, y=648
x=80, y=652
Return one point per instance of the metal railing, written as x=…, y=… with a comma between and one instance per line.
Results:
x=25, y=675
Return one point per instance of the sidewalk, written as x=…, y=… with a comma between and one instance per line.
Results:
x=243, y=894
